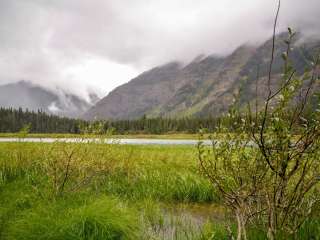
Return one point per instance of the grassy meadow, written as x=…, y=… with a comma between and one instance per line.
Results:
x=99, y=191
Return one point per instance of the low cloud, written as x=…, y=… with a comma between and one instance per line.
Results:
x=41, y=40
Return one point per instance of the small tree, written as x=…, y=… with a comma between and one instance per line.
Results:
x=230, y=167
x=267, y=169
x=71, y=167
x=24, y=131
x=287, y=137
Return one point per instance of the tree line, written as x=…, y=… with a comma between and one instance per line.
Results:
x=12, y=120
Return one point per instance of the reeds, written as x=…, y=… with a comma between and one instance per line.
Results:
x=136, y=195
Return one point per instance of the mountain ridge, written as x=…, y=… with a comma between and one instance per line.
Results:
x=202, y=87
x=34, y=97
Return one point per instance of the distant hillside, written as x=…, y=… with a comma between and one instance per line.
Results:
x=204, y=87
x=29, y=96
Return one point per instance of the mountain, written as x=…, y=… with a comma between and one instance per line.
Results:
x=139, y=96
x=26, y=95
x=206, y=86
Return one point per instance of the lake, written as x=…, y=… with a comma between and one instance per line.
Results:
x=132, y=141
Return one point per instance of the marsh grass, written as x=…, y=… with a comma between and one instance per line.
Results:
x=105, y=194
x=141, y=192
x=103, y=218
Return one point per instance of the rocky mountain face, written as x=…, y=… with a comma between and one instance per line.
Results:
x=139, y=96
x=29, y=96
x=204, y=87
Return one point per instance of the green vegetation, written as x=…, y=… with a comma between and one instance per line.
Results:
x=99, y=191
x=11, y=121
x=258, y=180
x=95, y=191
x=267, y=171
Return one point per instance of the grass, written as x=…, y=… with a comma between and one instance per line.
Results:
x=101, y=218
x=110, y=192
x=126, y=200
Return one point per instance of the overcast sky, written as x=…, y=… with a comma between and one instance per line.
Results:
x=96, y=45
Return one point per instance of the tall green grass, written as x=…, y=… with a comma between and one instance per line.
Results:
x=131, y=175
x=166, y=174
x=103, y=218
x=160, y=185
x=136, y=195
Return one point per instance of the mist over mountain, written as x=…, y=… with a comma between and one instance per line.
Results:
x=29, y=96
x=206, y=86
x=79, y=44
x=203, y=87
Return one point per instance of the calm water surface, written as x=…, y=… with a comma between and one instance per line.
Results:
x=120, y=141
